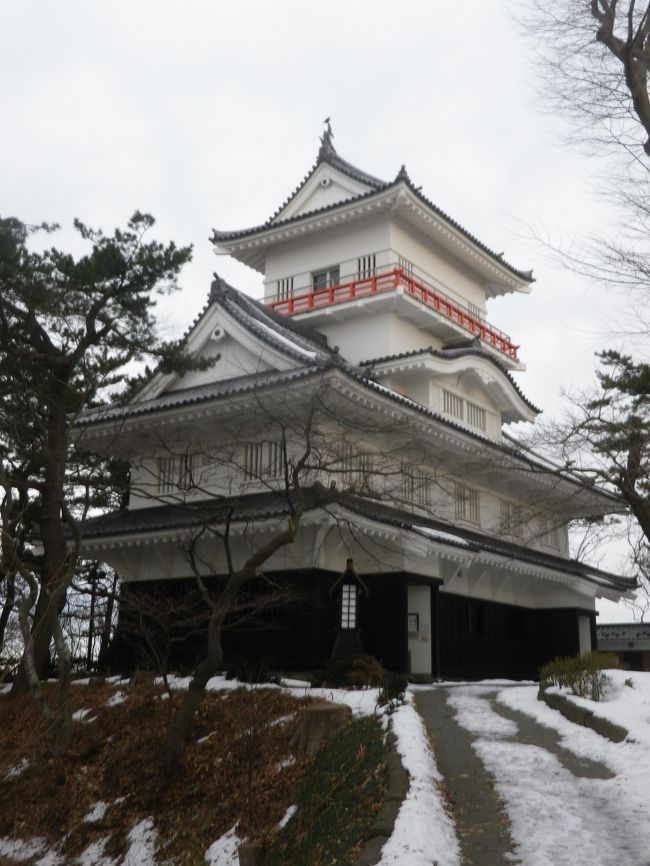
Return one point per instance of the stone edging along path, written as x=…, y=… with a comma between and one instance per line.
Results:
x=582, y=716
x=382, y=826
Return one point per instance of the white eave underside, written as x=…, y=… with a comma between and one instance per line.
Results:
x=398, y=202
x=417, y=544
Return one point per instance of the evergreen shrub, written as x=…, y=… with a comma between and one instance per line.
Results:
x=362, y=671
x=583, y=675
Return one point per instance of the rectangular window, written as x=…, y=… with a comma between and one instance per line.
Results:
x=366, y=266
x=552, y=536
x=468, y=503
x=285, y=288
x=176, y=472
x=512, y=518
x=348, y=606
x=405, y=265
x=326, y=278
x=476, y=416
x=263, y=460
x=453, y=405
x=475, y=311
x=417, y=486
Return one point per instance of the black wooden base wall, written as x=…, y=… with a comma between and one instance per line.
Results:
x=164, y=623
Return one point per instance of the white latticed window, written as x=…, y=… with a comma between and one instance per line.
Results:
x=453, y=405
x=476, y=416
x=348, y=606
x=468, y=503
x=475, y=311
x=263, y=460
x=366, y=266
x=512, y=518
x=176, y=472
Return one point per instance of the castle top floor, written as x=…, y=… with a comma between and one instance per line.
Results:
x=350, y=254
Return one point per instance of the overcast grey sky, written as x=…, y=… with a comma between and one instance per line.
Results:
x=208, y=114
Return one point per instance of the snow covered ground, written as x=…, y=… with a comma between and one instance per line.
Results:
x=557, y=817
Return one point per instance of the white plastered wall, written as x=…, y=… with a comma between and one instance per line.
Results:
x=337, y=246
x=419, y=642
x=234, y=360
x=450, y=275
x=584, y=632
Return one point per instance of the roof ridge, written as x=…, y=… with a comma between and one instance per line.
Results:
x=401, y=178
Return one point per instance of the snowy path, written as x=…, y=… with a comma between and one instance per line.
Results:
x=573, y=798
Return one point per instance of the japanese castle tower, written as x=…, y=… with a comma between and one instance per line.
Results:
x=367, y=397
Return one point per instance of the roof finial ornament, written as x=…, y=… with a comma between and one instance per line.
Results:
x=217, y=287
x=326, y=146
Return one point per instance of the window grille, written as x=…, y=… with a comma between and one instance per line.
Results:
x=512, y=518
x=263, y=460
x=366, y=266
x=453, y=405
x=552, y=536
x=457, y=407
x=364, y=473
x=285, y=288
x=475, y=311
x=348, y=606
x=405, y=265
x=468, y=503
x=326, y=278
x=417, y=487
x=176, y=472
x=343, y=464
x=476, y=416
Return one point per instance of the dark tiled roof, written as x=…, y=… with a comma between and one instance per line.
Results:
x=471, y=349
x=281, y=331
x=327, y=154
x=260, y=506
x=623, y=631
x=198, y=394
x=479, y=542
x=158, y=518
x=377, y=186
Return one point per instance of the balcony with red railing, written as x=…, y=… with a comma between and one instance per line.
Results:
x=389, y=280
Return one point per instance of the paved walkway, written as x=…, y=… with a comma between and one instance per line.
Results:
x=482, y=823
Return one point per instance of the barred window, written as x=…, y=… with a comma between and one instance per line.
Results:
x=417, y=486
x=176, y=472
x=405, y=265
x=552, y=536
x=366, y=266
x=453, y=405
x=512, y=518
x=285, y=288
x=476, y=312
x=476, y=416
x=468, y=503
x=263, y=460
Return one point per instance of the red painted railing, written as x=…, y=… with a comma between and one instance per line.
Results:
x=388, y=281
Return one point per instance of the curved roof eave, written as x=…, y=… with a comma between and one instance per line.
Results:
x=452, y=354
x=224, y=239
